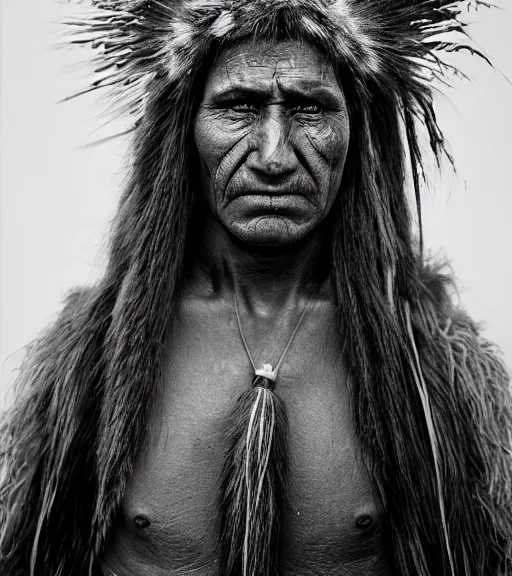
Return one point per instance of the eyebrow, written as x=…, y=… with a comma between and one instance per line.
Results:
x=294, y=91
x=315, y=90
x=234, y=91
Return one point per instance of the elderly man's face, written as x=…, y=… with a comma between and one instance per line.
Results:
x=272, y=134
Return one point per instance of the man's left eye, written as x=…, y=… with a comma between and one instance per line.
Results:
x=307, y=109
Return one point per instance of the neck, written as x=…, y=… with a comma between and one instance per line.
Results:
x=265, y=279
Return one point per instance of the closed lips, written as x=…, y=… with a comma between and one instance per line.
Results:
x=274, y=191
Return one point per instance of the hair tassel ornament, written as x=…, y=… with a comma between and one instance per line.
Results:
x=255, y=470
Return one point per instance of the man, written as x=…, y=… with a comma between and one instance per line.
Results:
x=269, y=379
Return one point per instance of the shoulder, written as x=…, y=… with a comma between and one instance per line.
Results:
x=445, y=330
x=459, y=362
x=53, y=365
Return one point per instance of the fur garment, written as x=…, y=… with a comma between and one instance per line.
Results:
x=432, y=404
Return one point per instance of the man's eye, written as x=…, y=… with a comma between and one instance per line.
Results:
x=307, y=109
x=243, y=106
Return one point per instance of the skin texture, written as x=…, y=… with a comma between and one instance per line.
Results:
x=272, y=251
x=332, y=524
x=272, y=134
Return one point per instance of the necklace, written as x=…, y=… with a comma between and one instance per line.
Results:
x=255, y=470
x=266, y=371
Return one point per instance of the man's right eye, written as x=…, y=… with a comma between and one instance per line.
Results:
x=243, y=106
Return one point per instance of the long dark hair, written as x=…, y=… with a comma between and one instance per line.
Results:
x=431, y=404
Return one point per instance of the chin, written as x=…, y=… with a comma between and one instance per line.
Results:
x=269, y=231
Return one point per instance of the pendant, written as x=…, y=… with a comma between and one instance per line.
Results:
x=265, y=377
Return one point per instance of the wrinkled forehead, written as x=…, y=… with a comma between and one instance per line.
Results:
x=294, y=65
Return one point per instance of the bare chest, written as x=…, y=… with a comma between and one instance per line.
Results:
x=169, y=523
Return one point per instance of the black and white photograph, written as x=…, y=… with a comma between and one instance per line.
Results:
x=255, y=281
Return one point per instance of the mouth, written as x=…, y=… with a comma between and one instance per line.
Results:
x=255, y=204
x=267, y=192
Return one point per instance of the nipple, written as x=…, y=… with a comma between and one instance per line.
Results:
x=364, y=521
x=141, y=522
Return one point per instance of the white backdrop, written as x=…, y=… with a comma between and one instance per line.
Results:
x=58, y=197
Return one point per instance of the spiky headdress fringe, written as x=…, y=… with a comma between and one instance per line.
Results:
x=431, y=398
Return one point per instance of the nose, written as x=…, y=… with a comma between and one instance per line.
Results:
x=273, y=155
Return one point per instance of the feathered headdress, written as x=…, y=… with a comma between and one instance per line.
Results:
x=397, y=44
